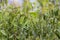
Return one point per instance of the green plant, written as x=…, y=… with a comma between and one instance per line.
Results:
x=16, y=24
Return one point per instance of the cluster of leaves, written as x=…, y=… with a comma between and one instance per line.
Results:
x=16, y=24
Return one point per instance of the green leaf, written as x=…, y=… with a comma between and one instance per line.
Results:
x=22, y=20
x=3, y=32
x=33, y=14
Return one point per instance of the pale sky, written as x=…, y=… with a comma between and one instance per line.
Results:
x=20, y=1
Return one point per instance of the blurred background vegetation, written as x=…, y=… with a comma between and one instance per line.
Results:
x=39, y=20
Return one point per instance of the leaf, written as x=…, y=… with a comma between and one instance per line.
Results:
x=3, y=32
x=33, y=14
x=22, y=20
x=11, y=36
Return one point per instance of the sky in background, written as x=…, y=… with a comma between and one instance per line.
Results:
x=19, y=1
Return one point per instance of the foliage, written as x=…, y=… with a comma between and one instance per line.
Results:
x=27, y=24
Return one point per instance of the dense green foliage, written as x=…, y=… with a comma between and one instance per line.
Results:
x=41, y=24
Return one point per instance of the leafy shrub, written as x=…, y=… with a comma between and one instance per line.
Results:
x=16, y=24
